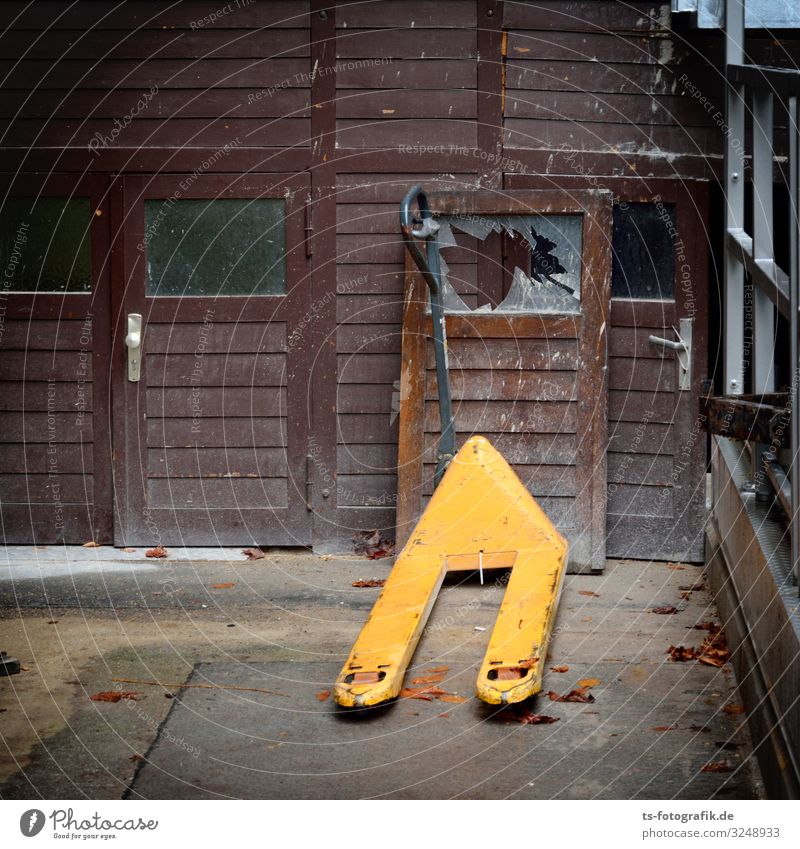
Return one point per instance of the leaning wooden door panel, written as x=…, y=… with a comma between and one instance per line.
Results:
x=529, y=375
x=215, y=428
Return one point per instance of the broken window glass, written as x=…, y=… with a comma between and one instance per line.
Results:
x=551, y=281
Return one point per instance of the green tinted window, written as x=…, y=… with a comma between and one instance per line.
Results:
x=45, y=245
x=215, y=247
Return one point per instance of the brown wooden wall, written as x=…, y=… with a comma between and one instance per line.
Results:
x=366, y=98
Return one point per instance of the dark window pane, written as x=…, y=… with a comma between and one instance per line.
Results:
x=45, y=245
x=215, y=247
x=643, y=243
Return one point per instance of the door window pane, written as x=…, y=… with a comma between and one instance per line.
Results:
x=45, y=244
x=643, y=245
x=215, y=247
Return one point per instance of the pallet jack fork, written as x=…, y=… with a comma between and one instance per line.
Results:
x=480, y=518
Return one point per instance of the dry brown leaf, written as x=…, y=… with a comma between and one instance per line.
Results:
x=734, y=709
x=225, y=585
x=710, y=660
x=114, y=696
x=675, y=566
x=452, y=697
x=425, y=693
x=322, y=695
x=158, y=551
x=717, y=766
x=253, y=553
x=559, y=669
x=682, y=654
x=586, y=683
x=527, y=717
x=428, y=679
x=436, y=669
x=444, y=716
x=52, y=621
x=589, y=592
x=665, y=610
x=372, y=582
x=578, y=695
x=136, y=758
x=686, y=595
x=91, y=544
x=665, y=728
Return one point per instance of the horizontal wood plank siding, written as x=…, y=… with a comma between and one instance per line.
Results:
x=46, y=430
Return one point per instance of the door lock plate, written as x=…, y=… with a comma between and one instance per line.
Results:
x=133, y=342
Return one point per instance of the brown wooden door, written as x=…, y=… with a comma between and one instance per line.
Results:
x=55, y=453
x=211, y=442
x=657, y=445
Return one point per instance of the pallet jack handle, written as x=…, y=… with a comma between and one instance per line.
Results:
x=418, y=231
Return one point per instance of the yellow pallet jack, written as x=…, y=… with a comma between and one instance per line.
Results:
x=480, y=518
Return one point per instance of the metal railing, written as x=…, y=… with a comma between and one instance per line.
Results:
x=770, y=93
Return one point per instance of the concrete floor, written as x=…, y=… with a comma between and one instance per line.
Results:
x=286, y=626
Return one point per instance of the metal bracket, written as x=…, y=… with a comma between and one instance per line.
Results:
x=684, y=348
x=133, y=341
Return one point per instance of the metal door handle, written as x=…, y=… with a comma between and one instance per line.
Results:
x=684, y=348
x=133, y=341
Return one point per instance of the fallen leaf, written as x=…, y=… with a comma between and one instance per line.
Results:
x=253, y=553
x=675, y=566
x=24, y=669
x=709, y=660
x=665, y=728
x=444, y=716
x=578, y=695
x=686, y=595
x=373, y=544
x=114, y=696
x=559, y=669
x=586, y=683
x=91, y=544
x=372, y=582
x=705, y=626
x=666, y=609
x=436, y=669
x=526, y=716
x=427, y=694
x=158, y=551
x=322, y=695
x=136, y=758
x=452, y=697
x=427, y=679
x=129, y=550
x=717, y=766
x=734, y=709
x=682, y=654
x=589, y=592
x=225, y=585
x=53, y=621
